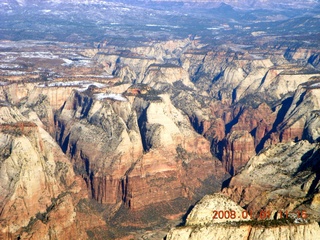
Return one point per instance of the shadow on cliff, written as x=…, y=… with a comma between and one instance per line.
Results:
x=280, y=117
x=142, y=122
x=184, y=217
x=311, y=163
x=226, y=183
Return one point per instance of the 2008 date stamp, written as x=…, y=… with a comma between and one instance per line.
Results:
x=260, y=215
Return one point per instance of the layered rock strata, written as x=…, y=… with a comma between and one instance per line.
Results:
x=145, y=150
x=281, y=178
x=39, y=190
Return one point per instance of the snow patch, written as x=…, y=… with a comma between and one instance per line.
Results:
x=7, y=57
x=67, y=62
x=78, y=63
x=165, y=26
x=256, y=57
x=118, y=97
x=3, y=83
x=12, y=73
x=10, y=66
x=83, y=85
x=315, y=85
x=47, y=55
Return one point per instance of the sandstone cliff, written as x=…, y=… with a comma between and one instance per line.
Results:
x=274, y=181
x=145, y=152
x=39, y=190
x=300, y=121
x=246, y=84
x=163, y=131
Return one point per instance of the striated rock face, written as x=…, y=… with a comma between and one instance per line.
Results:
x=145, y=152
x=301, y=119
x=274, y=181
x=171, y=125
x=157, y=74
x=295, y=119
x=287, y=82
x=111, y=129
x=200, y=225
x=16, y=92
x=132, y=64
x=232, y=81
x=236, y=134
x=38, y=101
x=159, y=178
x=246, y=135
x=37, y=109
x=39, y=190
x=301, y=54
x=238, y=150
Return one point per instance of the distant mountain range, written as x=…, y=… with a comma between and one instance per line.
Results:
x=235, y=3
x=243, y=4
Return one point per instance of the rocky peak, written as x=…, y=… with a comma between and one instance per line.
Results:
x=207, y=209
x=210, y=219
x=38, y=185
x=295, y=180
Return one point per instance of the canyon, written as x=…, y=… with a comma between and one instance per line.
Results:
x=141, y=132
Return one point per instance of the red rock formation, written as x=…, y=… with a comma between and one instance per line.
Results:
x=39, y=192
x=251, y=123
x=21, y=127
x=238, y=150
x=292, y=133
x=216, y=129
x=175, y=166
x=274, y=181
x=133, y=91
x=106, y=189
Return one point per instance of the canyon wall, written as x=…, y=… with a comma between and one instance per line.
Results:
x=174, y=123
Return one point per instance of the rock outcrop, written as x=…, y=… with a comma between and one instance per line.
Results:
x=206, y=211
x=39, y=190
x=301, y=119
x=166, y=74
x=274, y=181
x=238, y=150
x=296, y=232
x=201, y=224
x=145, y=151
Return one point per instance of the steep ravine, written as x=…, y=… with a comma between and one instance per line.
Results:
x=146, y=153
